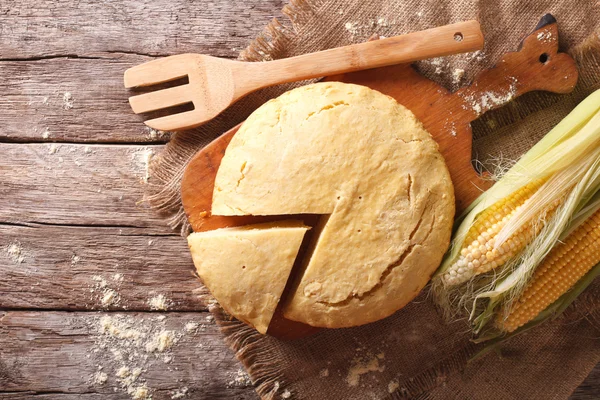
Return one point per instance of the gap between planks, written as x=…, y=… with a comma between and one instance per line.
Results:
x=89, y=268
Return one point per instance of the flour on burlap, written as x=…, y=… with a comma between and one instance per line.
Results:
x=364, y=365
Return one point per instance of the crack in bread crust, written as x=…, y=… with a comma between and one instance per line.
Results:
x=407, y=252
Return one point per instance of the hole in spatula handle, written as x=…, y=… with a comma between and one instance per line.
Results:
x=544, y=57
x=458, y=36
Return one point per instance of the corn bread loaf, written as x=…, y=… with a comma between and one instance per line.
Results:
x=367, y=165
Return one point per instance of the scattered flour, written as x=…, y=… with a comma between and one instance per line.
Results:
x=159, y=302
x=191, y=326
x=286, y=394
x=487, y=100
x=458, y=75
x=53, y=148
x=476, y=55
x=142, y=159
x=46, y=133
x=68, y=100
x=361, y=366
x=123, y=372
x=241, y=379
x=439, y=63
x=103, y=293
x=100, y=282
x=324, y=373
x=351, y=27
x=75, y=259
x=121, y=347
x=162, y=342
x=140, y=393
x=436, y=62
x=110, y=297
x=393, y=386
x=100, y=378
x=450, y=126
x=156, y=134
x=545, y=37
x=367, y=29
x=179, y=393
x=15, y=252
x=382, y=22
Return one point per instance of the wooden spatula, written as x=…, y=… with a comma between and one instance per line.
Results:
x=215, y=83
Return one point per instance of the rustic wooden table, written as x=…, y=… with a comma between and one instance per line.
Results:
x=97, y=294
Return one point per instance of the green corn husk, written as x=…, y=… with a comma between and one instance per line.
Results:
x=568, y=160
x=493, y=338
x=504, y=298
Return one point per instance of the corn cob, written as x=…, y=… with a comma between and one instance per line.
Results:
x=566, y=264
x=479, y=253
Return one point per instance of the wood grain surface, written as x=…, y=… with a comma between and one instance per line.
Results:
x=70, y=100
x=62, y=223
x=57, y=352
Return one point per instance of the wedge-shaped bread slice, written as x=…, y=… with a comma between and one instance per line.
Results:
x=366, y=162
x=246, y=268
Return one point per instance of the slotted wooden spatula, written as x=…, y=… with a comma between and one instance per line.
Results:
x=215, y=83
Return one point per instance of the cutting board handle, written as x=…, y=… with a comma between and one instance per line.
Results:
x=536, y=66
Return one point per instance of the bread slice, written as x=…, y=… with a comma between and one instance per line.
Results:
x=246, y=268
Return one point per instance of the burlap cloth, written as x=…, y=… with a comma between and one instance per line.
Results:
x=414, y=353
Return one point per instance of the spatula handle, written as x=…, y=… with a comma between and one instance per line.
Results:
x=445, y=40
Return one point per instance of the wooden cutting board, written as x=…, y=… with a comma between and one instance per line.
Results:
x=537, y=65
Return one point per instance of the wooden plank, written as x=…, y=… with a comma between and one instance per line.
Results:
x=83, y=268
x=74, y=100
x=55, y=344
x=63, y=355
x=77, y=184
x=590, y=387
x=32, y=29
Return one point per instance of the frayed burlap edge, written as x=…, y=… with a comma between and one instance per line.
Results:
x=247, y=344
